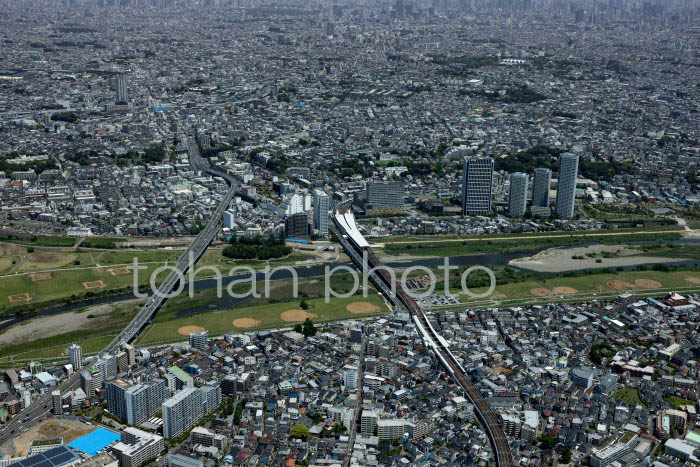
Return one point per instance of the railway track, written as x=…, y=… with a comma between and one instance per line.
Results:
x=382, y=278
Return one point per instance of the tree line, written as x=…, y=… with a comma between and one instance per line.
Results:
x=256, y=248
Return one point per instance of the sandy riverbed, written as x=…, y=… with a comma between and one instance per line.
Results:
x=561, y=259
x=63, y=322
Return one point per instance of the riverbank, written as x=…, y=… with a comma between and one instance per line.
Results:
x=563, y=259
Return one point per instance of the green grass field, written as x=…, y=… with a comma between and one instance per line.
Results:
x=164, y=328
x=23, y=268
x=52, y=349
x=40, y=240
x=669, y=250
x=590, y=284
x=630, y=396
x=677, y=402
x=167, y=323
x=501, y=236
x=62, y=285
x=513, y=244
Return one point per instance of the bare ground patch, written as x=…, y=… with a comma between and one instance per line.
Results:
x=94, y=285
x=41, y=276
x=296, y=315
x=359, y=308
x=693, y=279
x=563, y=290
x=20, y=297
x=560, y=259
x=245, y=322
x=43, y=261
x=119, y=271
x=69, y=430
x=53, y=325
x=648, y=284
x=187, y=330
x=540, y=292
x=621, y=285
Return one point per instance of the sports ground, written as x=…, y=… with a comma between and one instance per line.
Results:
x=24, y=280
x=586, y=287
x=32, y=275
x=271, y=315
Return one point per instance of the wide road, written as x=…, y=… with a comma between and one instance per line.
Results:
x=43, y=404
x=38, y=408
x=195, y=250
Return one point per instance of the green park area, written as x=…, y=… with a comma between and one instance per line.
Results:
x=33, y=278
x=585, y=286
x=37, y=277
x=280, y=314
x=647, y=230
x=629, y=396
x=95, y=326
x=677, y=402
x=517, y=287
x=522, y=243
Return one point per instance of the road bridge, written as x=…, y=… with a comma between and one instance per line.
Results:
x=43, y=404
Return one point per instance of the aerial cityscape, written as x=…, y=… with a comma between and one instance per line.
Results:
x=349, y=233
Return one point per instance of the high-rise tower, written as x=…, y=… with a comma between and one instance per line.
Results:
x=566, y=187
x=517, y=201
x=477, y=176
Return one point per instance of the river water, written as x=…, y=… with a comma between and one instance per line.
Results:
x=303, y=272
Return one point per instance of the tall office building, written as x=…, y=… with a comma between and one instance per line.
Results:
x=368, y=422
x=75, y=353
x=566, y=186
x=517, y=200
x=107, y=365
x=180, y=379
x=385, y=198
x=137, y=447
x=297, y=226
x=122, y=92
x=229, y=219
x=116, y=398
x=477, y=176
x=540, y=187
x=182, y=411
x=57, y=402
x=122, y=362
x=321, y=208
x=90, y=381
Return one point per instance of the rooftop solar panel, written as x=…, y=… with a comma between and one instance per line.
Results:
x=34, y=460
x=54, y=457
x=63, y=457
